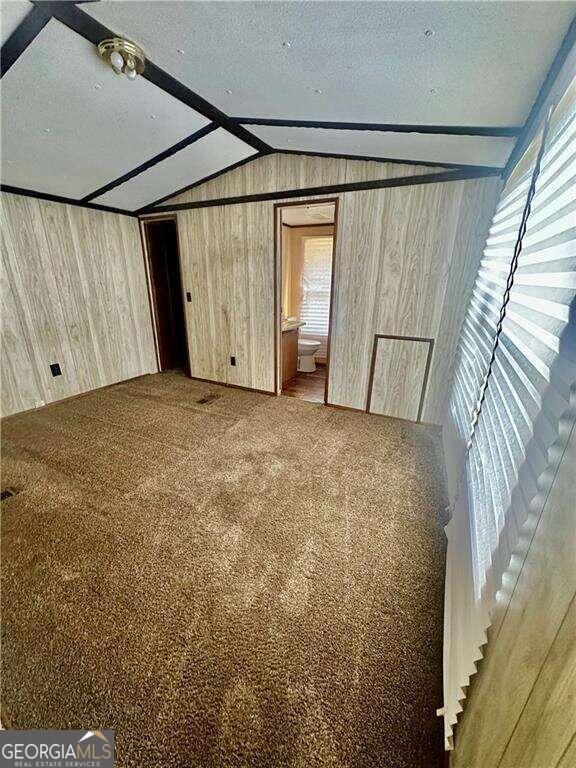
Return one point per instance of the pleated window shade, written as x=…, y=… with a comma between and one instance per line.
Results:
x=316, y=280
x=529, y=393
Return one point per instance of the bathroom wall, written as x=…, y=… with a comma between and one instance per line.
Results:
x=73, y=292
x=406, y=258
x=292, y=263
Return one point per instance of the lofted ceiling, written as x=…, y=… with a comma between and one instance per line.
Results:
x=440, y=83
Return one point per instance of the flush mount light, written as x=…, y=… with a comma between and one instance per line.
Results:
x=123, y=56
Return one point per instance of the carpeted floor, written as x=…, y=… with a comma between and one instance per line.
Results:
x=252, y=581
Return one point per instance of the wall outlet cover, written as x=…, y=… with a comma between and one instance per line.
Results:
x=55, y=368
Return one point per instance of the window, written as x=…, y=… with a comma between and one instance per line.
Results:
x=316, y=279
x=523, y=392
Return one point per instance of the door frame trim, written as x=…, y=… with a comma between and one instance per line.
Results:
x=377, y=337
x=150, y=285
x=278, y=284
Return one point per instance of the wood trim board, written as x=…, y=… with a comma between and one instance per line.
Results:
x=193, y=138
x=529, y=129
x=459, y=174
x=278, y=283
x=28, y=29
x=151, y=290
x=395, y=337
x=447, y=130
x=64, y=200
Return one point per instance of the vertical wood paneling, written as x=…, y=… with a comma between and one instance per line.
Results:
x=277, y=172
x=399, y=271
x=358, y=239
x=405, y=259
x=21, y=387
x=393, y=392
x=228, y=266
x=521, y=712
x=74, y=293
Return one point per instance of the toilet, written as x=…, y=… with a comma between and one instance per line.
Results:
x=306, y=351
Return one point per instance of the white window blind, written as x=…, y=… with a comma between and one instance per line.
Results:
x=316, y=279
x=528, y=397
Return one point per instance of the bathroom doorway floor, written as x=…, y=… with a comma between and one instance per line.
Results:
x=307, y=386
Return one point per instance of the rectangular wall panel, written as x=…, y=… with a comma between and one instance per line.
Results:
x=398, y=377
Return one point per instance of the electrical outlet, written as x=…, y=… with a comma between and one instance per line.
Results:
x=55, y=368
x=232, y=360
x=188, y=296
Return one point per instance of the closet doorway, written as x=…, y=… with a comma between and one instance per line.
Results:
x=166, y=293
x=305, y=244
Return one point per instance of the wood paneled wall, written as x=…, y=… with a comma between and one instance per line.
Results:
x=73, y=292
x=406, y=258
x=520, y=709
x=277, y=172
x=228, y=267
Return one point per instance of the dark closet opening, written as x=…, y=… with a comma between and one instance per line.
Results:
x=166, y=284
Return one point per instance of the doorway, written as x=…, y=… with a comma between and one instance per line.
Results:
x=305, y=238
x=166, y=293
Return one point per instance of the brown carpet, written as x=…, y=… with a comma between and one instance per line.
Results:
x=253, y=581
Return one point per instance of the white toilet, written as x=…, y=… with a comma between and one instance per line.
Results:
x=306, y=351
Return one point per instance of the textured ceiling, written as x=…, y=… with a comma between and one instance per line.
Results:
x=482, y=65
x=70, y=127
x=12, y=13
x=207, y=156
x=468, y=150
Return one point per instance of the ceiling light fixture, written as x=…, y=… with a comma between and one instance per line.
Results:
x=123, y=56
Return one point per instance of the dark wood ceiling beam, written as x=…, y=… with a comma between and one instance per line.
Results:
x=32, y=24
x=152, y=162
x=444, y=130
x=64, y=200
x=214, y=175
x=536, y=113
x=401, y=181
x=396, y=160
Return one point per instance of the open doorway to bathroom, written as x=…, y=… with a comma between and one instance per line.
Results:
x=305, y=245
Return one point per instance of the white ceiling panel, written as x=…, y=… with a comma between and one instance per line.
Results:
x=12, y=12
x=72, y=125
x=448, y=63
x=432, y=148
x=206, y=156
